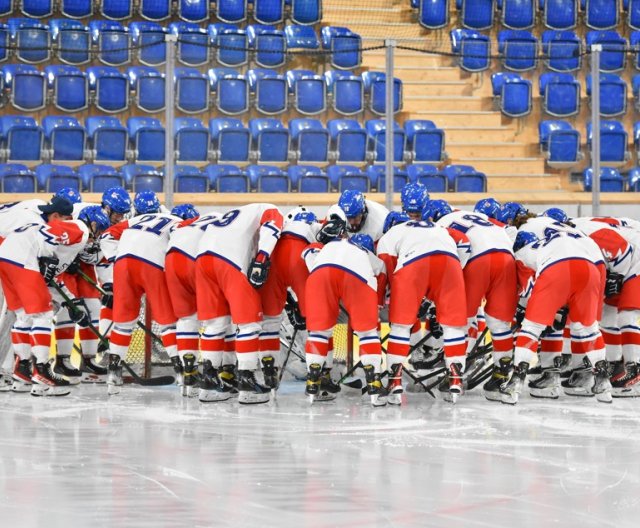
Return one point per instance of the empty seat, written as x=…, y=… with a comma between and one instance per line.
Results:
x=193, y=10
x=560, y=94
x=192, y=90
x=471, y=182
x=4, y=42
x=147, y=138
x=76, y=8
x=513, y=93
x=375, y=90
x=6, y=7
x=230, y=140
x=343, y=177
x=147, y=85
x=562, y=50
x=231, y=44
x=230, y=90
x=472, y=48
x=309, y=140
x=427, y=175
x=613, y=142
x=116, y=9
x=26, y=85
x=634, y=41
x=37, y=8
x=635, y=86
x=108, y=138
x=613, y=94
x=633, y=18
x=193, y=43
x=345, y=91
x=433, y=14
x=227, y=178
x=518, y=14
x=306, y=11
x=454, y=171
x=142, y=177
x=110, y=88
x=270, y=140
x=301, y=37
x=21, y=138
x=477, y=14
x=376, y=141
x=16, y=178
x=52, y=178
x=308, y=91
x=268, y=11
x=425, y=142
x=148, y=42
x=112, y=41
x=72, y=41
x=269, y=90
x=634, y=180
x=610, y=180
x=189, y=179
x=348, y=140
x=613, y=56
x=31, y=38
x=560, y=14
x=69, y=86
x=559, y=143
x=231, y=10
x=345, y=47
x=264, y=178
x=378, y=178
x=65, y=138
x=636, y=136
x=268, y=44
x=191, y=139
x=519, y=49
x=155, y=9
x=602, y=14
x=308, y=179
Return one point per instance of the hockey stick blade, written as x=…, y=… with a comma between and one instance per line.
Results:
x=148, y=382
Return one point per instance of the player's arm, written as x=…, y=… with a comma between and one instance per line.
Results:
x=310, y=253
x=463, y=246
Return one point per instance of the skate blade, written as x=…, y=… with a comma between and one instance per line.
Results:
x=581, y=393
x=113, y=390
x=395, y=398
x=20, y=387
x=378, y=401
x=509, y=399
x=189, y=391
x=93, y=378
x=604, y=397
x=73, y=380
x=252, y=398
x=625, y=392
x=41, y=390
x=493, y=395
x=326, y=397
x=550, y=394
x=207, y=396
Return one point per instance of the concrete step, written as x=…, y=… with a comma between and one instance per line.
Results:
x=506, y=166
x=524, y=182
x=490, y=150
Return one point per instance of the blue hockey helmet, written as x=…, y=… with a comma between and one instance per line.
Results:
x=308, y=217
x=69, y=194
x=185, y=211
x=524, y=238
x=94, y=213
x=488, y=206
x=435, y=209
x=557, y=214
x=394, y=218
x=355, y=209
x=117, y=200
x=363, y=241
x=510, y=211
x=146, y=202
x=413, y=197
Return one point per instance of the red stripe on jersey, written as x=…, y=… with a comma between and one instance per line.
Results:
x=115, y=231
x=66, y=233
x=272, y=215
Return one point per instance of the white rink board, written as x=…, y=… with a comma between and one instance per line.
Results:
x=152, y=458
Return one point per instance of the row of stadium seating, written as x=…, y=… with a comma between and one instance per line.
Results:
x=225, y=140
x=562, y=50
x=264, y=11
x=71, y=90
x=113, y=44
x=231, y=178
x=521, y=14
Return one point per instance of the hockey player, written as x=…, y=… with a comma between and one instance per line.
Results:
x=544, y=265
x=413, y=197
x=19, y=214
x=233, y=263
x=139, y=270
x=363, y=216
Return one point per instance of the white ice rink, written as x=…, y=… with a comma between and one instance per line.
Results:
x=149, y=457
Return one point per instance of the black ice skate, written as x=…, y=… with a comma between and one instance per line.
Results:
x=601, y=385
x=511, y=389
x=228, y=378
x=580, y=381
x=329, y=389
x=190, y=376
x=21, y=376
x=211, y=388
x=114, y=375
x=375, y=389
x=250, y=391
x=64, y=369
x=548, y=384
x=394, y=387
x=270, y=372
x=499, y=377
x=46, y=382
x=312, y=388
x=178, y=369
x=92, y=371
x=627, y=386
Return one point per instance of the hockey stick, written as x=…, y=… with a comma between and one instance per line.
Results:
x=286, y=358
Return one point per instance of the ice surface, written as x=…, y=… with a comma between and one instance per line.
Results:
x=149, y=457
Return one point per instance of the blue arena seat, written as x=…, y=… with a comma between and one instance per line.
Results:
x=27, y=86
x=602, y=14
x=268, y=44
x=193, y=10
x=518, y=14
x=348, y=140
x=433, y=14
x=155, y=10
x=72, y=41
x=636, y=136
x=4, y=42
x=477, y=14
x=424, y=141
x=110, y=88
x=142, y=177
x=147, y=86
x=36, y=8
x=192, y=90
x=428, y=175
x=31, y=38
x=232, y=11
x=345, y=91
x=231, y=44
x=301, y=37
x=613, y=57
x=227, y=178
x=65, y=138
x=108, y=138
x=633, y=181
x=306, y=11
x=376, y=147
x=635, y=86
x=193, y=43
x=309, y=140
x=189, y=179
x=16, y=178
x=519, y=49
x=264, y=178
x=375, y=91
x=633, y=17
x=345, y=47
x=308, y=179
x=514, y=94
x=76, y=8
x=230, y=89
x=473, y=49
x=343, y=177
x=52, y=178
x=562, y=50
x=116, y=9
x=69, y=86
x=634, y=41
x=610, y=180
x=613, y=94
x=454, y=171
x=230, y=140
x=560, y=14
x=268, y=11
x=269, y=90
x=559, y=143
x=112, y=41
x=21, y=138
x=378, y=179
x=146, y=136
x=613, y=142
x=6, y=7
x=191, y=139
x=148, y=42
x=270, y=140
x=470, y=182
x=560, y=94
x=308, y=91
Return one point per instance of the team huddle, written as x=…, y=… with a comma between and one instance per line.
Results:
x=560, y=297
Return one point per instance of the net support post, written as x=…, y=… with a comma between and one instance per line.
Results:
x=596, y=49
x=389, y=122
x=169, y=115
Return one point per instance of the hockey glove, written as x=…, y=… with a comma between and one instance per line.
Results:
x=425, y=305
x=613, y=284
x=48, y=268
x=334, y=228
x=73, y=268
x=519, y=317
x=258, y=270
x=434, y=325
x=107, y=297
x=560, y=320
x=77, y=312
x=293, y=313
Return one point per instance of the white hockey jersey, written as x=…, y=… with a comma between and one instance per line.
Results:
x=240, y=234
x=372, y=224
x=18, y=214
x=301, y=230
x=186, y=235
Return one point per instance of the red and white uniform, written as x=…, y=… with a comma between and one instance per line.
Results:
x=18, y=214
x=423, y=260
x=341, y=271
x=224, y=294
x=374, y=222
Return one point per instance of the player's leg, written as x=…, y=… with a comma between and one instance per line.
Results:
x=65, y=332
x=21, y=345
x=629, y=324
x=92, y=371
x=272, y=297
